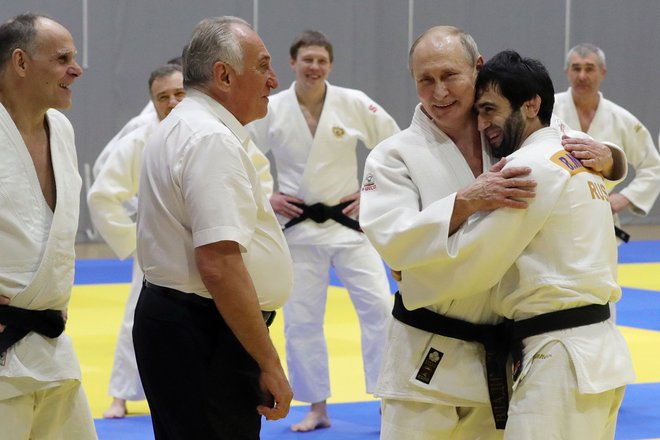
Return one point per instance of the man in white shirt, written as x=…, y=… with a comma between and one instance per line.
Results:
x=583, y=107
x=214, y=257
x=41, y=396
x=116, y=185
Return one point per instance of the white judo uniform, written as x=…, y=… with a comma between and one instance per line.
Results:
x=408, y=192
x=616, y=124
x=557, y=254
x=36, y=272
x=116, y=184
x=409, y=186
x=323, y=168
x=147, y=117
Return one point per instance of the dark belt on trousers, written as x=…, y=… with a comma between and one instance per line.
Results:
x=548, y=322
x=269, y=316
x=492, y=337
x=320, y=213
x=19, y=322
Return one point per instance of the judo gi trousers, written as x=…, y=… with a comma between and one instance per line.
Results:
x=547, y=405
x=124, y=378
x=361, y=270
x=200, y=382
x=59, y=412
x=411, y=420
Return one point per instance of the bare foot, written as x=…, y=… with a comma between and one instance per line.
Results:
x=316, y=418
x=117, y=409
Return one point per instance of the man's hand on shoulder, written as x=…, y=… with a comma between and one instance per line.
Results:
x=593, y=155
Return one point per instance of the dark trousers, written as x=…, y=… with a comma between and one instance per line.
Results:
x=200, y=382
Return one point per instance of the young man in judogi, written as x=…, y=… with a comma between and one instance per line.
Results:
x=312, y=129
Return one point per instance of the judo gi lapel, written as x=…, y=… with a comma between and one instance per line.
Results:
x=57, y=278
x=320, y=148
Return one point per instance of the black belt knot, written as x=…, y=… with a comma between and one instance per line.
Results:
x=494, y=338
x=320, y=213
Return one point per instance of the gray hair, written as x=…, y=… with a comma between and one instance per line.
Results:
x=212, y=41
x=19, y=32
x=584, y=49
x=469, y=45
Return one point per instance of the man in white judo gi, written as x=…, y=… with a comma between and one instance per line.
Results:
x=147, y=117
x=41, y=396
x=552, y=266
x=312, y=130
x=583, y=107
x=115, y=185
x=418, y=185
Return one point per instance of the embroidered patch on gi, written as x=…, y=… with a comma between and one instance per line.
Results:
x=373, y=108
x=429, y=366
x=369, y=184
x=3, y=358
x=338, y=132
x=568, y=162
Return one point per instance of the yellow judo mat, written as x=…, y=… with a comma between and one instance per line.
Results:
x=96, y=311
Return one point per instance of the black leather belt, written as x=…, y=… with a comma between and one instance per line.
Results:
x=19, y=322
x=321, y=213
x=269, y=316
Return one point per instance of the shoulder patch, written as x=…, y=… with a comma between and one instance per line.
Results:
x=565, y=160
x=373, y=108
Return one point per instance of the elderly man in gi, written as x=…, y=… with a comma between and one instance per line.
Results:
x=552, y=267
x=312, y=129
x=214, y=257
x=41, y=396
x=115, y=186
x=418, y=186
x=583, y=107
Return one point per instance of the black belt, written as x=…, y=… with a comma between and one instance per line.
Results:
x=498, y=340
x=492, y=337
x=269, y=316
x=320, y=213
x=19, y=322
x=548, y=322
x=621, y=234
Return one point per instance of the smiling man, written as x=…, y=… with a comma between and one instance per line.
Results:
x=571, y=364
x=583, y=107
x=312, y=130
x=40, y=391
x=440, y=377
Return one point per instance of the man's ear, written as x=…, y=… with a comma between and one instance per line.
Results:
x=222, y=75
x=480, y=63
x=531, y=107
x=19, y=62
